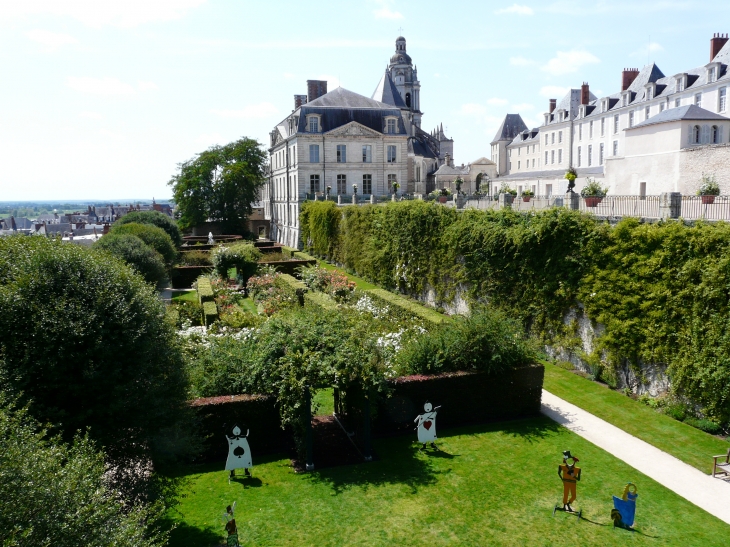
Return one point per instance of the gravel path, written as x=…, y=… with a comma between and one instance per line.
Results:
x=712, y=495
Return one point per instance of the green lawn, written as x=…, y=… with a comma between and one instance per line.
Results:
x=248, y=305
x=191, y=296
x=490, y=485
x=324, y=402
x=682, y=441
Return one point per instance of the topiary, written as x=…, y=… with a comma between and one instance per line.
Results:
x=153, y=236
x=242, y=256
x=155, y=218
x=135, y=252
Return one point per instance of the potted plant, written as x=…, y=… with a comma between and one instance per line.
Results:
x=505, y=189
x=708, y=189
x=527, y=194
x=570, y=175
x=395, y=187
x=457, y=184
x=441, y=195
x=593, y=193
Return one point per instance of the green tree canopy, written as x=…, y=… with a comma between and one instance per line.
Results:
x=153, y=236
x=137, y=254
x=220, y=185
x=155, y=218
x=85, y=342
x=56, y=494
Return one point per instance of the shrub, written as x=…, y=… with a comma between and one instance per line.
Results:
x=210, y=313
x=405, y=308
x=153, y=236
x=320, y=300
x=205, y=290
x=155, y=218
x=242, y=256
x=188, y=313
x=237, y=318
x=708, y=426
x=135, y=252
x=333, y=283
x=195, y=258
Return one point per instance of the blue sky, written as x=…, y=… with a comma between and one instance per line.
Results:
x=102, y=99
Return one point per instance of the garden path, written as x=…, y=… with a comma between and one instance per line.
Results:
x=712, y=495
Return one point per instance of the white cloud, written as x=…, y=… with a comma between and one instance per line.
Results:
x=210, y=139
x=52, y=40
x=642, y=52
x=147, y=86
x=96, y=13
x=261, y=110
x=91, y=115
x=566, y=62
x=100, y=86
x=522, y=106
x=384, y=11
x=553, y=91
x=472, y=109
x=437, y=75
x=520, y=61
x=517, y=10
x=494, y=101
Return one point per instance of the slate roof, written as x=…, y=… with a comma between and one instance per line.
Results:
x=689, y=112
x=387, y=93
x=448, y=170
x=553, y=173
x=344, y=98
x=511, y=126
x=723, y=56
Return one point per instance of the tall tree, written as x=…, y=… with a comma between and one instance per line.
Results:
x=220, y=185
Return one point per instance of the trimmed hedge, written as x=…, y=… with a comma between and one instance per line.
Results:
x=466, y=398
x=302, y=256
x=293, y=283
x=183, y=277
x=320, y=299
x=210, y=313
x=290, y=267
x=405, y=307
x=258, y=413
x=205, y=290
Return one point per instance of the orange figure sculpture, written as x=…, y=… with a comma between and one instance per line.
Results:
x=569, y=473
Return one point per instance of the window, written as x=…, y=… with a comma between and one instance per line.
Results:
x=390, y=124
x=314, y=184
x=600, y=154
x=680, y=84
x=590, y=154
x=723, y=99
x=533, y=163
x=560, y=136
x=341, y=153
x=694, y=137
x=367, y=184
x=647, y=113
x=552, y=137
x=615, y=124
x=698, y=99
x=391, y=153
x=579, y=151
x=560, y=156
x=677, y=103
x=631, y=119
x=313, y=124
x=648, y=94
x=642, y=190
x=549, y=189
x=546, y=138
x=661, y=107
x=313, y=153
x=625, y=100
x=615, y=148
x=519, y=151
x=603, y=126
x=367, y=153
x=391, y=179
x=552, y=156
x=580, y=132
x=510, y=166
x=518, y=164
x=341, y=184
x=705, y=134
x=546, y=158
x=716, y=135
x=711, y=75
x=590, y=130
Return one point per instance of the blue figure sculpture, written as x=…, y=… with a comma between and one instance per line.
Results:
x=624, y=510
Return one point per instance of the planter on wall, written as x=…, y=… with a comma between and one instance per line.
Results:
x=708, y=200
x=442, y=199
x=593, y=201
x=526, y=199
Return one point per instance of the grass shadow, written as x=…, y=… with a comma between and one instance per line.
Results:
x=532, y=429
x=184, y=535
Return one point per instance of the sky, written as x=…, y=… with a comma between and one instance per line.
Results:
x=102, y=99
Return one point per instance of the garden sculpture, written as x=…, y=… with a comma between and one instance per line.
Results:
x=624, y=508
x=230, y=524
x=426, y=425
x=211, y=240
x=569, y=473
x=239, y=453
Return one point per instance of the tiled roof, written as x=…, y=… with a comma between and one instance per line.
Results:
x=344, y=98
x=511, y=126
x=689, y=112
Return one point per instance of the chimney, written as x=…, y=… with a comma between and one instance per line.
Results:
x=299, y=100
x=716, y=44
x=553, y=104
x=315, y=89
x=627, y=76
x=584, y=94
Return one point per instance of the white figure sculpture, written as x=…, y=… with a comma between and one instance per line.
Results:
x=239, y=453
x=211, y=241
x=427, y=425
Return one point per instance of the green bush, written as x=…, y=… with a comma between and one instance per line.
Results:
x=195, y=258
x=235, y=317
x=708, y=426
x=153, y=236
x=155, y=218
x=210, y=313
x=188, y=312
x=135, y=252
x=320, y=299
x=405, y=308
x=205, y=290
x=242, y=256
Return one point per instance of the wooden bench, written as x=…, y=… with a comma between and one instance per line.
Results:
x=722, y=467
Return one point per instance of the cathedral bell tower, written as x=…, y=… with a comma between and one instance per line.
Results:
x=405, y=78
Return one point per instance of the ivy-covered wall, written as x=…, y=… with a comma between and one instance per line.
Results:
x=662, y=291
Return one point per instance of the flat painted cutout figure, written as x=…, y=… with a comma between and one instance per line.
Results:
x=426, y=425
x=230, y=525
x=239, y=453
x=624, y=510
x=569, y=473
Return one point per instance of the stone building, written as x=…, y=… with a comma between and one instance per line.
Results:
x=639, y=140
x=339, y=143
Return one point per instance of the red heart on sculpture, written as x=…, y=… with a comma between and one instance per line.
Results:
x=427, y=424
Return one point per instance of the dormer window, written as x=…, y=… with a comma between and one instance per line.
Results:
x=313, y=123
x=604, y=105
x=390, y=126
x=711, y=75
x=649, y=93
x=681, y=82
x=625, y=100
